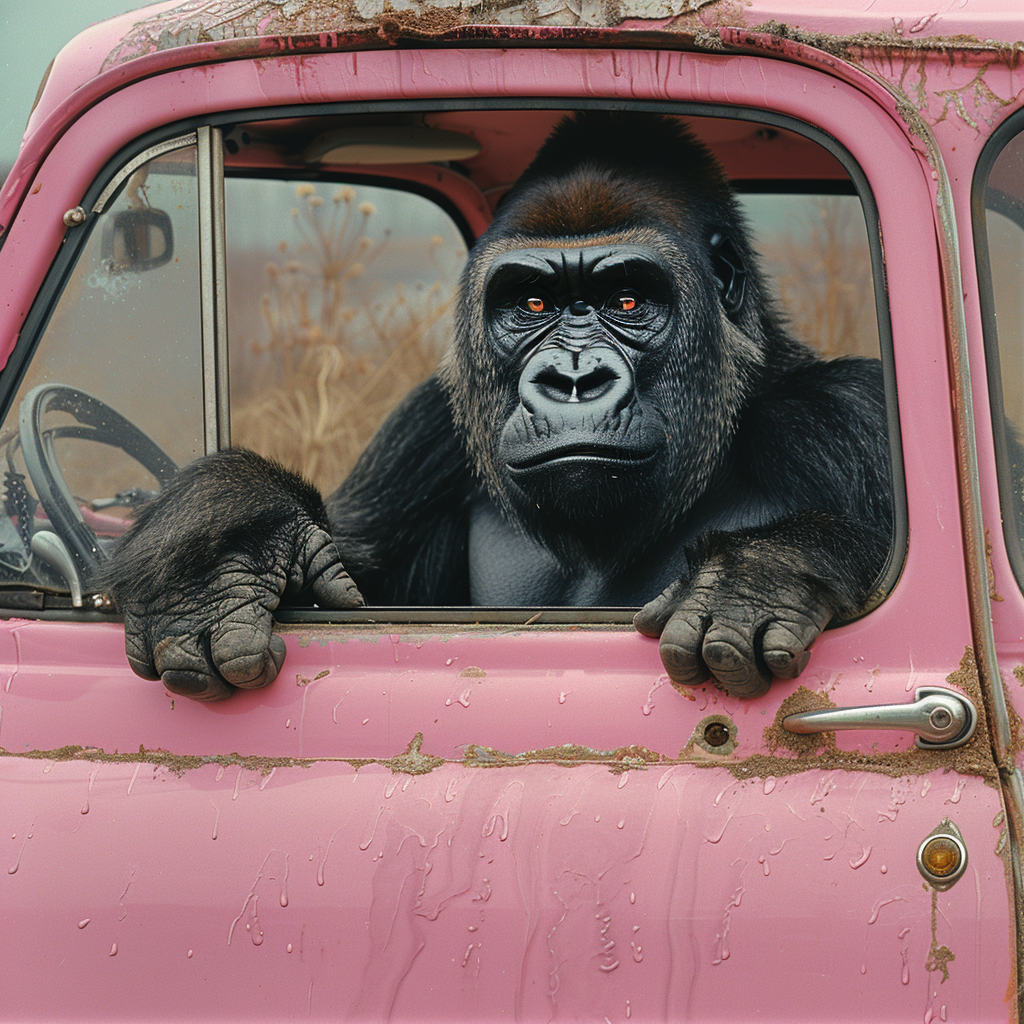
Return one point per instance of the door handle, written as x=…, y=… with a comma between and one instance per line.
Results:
x=940, y=718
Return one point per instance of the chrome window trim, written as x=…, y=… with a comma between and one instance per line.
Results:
x=134, y=164
x=213, y=288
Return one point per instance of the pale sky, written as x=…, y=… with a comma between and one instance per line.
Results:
x=31, y=33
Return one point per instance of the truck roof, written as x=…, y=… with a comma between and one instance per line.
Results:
x=160, y=37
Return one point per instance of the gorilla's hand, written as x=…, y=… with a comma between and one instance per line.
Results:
x=205, y=640
x=749, y=612
x=204, y=566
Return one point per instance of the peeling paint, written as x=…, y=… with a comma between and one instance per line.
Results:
x=905, y=64
x=198, y=21
x=901, y=56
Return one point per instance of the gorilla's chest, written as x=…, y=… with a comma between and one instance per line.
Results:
x=508, y=568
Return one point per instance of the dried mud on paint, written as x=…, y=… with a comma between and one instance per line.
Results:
x=411, y=762
x=789, y=753
x=820, y=750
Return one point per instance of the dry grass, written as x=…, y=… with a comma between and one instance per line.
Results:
x=338, y=353
x=824, y=283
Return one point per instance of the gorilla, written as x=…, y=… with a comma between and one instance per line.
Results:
x=622, y=419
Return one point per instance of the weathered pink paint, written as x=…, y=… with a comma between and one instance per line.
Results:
x=543, y=893
x=591, y=886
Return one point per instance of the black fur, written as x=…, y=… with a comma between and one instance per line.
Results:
x=621, y=413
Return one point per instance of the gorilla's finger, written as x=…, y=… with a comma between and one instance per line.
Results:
x=321, y=571
x=196, y=685
x=244, y=650
x=785, y=645
x=140, y=657
x=184, y=669
x=753, y=685
x=680, y=649
x=729, y=654
x=336, y=589
x=654, y=616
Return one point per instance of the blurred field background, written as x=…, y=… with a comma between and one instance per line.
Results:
x=335, y=315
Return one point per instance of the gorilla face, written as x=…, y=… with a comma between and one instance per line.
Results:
x=614, y=363
x=610, y=329
x=580, y=323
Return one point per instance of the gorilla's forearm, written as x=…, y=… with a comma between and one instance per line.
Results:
x=231, y=504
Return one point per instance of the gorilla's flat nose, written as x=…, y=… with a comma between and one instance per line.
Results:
x=599, y=376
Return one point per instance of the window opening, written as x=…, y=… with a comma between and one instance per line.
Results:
x=998, y=216
x=367, y=311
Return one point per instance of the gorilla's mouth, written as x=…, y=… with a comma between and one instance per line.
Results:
x=609, y=456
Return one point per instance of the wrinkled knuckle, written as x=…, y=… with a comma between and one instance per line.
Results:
x=171, y=653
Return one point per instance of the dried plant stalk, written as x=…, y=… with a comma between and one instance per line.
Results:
x=826, y=288
x=339, y=353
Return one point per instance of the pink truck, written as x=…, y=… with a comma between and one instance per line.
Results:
x=244, y=225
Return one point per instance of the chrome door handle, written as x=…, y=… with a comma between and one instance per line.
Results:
x=940, y=718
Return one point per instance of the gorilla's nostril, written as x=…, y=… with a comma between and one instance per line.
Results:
x=573, y=387
x=556, y=386
x=599, y=379
x=596, y=383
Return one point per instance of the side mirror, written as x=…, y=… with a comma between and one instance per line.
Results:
x=137, y=240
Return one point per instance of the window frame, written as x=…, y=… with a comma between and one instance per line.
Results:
x=214, y=334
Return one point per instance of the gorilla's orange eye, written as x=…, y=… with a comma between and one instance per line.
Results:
x=535, y=305
x=626, y=302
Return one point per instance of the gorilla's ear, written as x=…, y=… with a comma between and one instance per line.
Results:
x=729, y=272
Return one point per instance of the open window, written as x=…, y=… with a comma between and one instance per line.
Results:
x=281, y=284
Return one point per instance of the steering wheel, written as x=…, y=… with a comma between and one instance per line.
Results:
x=96, y=422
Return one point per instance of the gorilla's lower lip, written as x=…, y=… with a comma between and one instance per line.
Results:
x=623, y=458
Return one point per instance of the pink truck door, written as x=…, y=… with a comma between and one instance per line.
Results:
x=514, y=820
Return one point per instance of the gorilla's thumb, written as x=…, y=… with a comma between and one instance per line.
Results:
x=324, y=574
x=336, y=589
